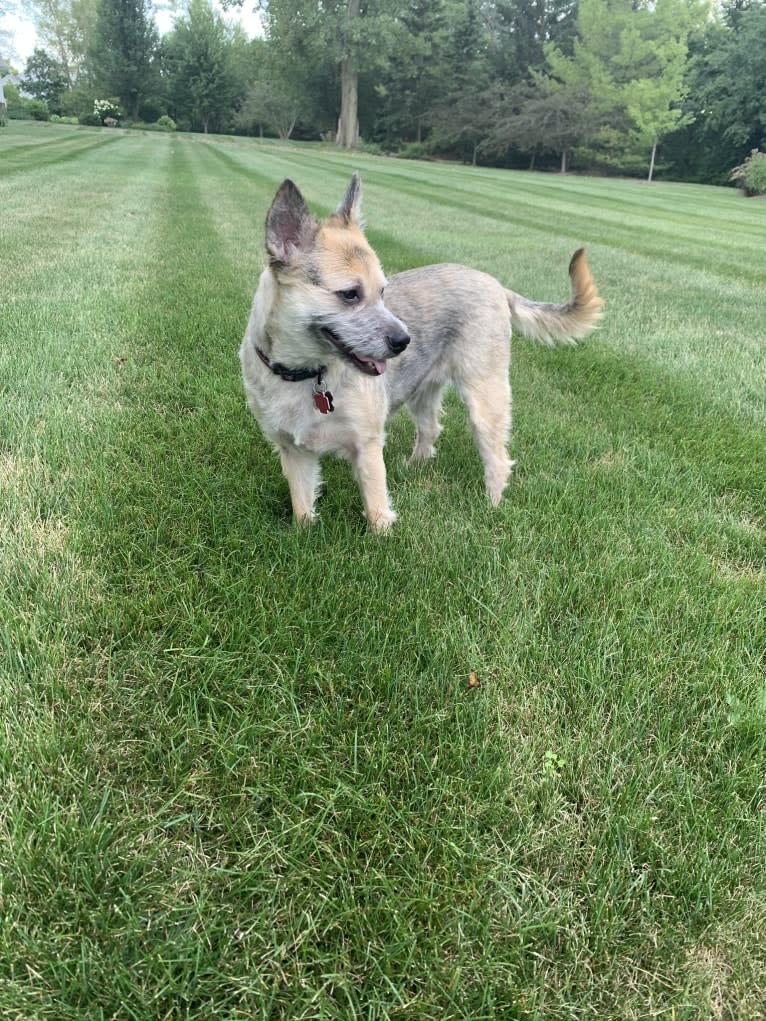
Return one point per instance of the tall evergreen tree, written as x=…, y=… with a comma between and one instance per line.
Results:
x=203, y=80
x=123, y=55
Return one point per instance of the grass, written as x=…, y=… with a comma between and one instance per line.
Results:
x=242, y=775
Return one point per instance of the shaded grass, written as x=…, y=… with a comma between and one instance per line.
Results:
x=243, y=774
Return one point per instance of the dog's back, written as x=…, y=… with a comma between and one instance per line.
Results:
x=460, y=322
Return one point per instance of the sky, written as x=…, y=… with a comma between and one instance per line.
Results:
x=24, y=39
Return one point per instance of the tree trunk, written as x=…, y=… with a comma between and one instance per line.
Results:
x=563, y=161
x=475, y=147
x=651, y=164
x=348, y=123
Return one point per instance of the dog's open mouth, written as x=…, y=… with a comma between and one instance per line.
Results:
x=370, y=366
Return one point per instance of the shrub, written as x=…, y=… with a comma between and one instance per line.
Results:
x=751, y=175
x=37, y=109
x=90, y=120
x=166, y=123
x=415, y=151
x=370, y=148
x=106, y=109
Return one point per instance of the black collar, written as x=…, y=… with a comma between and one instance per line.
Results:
x=289, y=375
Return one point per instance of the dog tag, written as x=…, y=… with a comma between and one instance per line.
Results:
x=323, y=401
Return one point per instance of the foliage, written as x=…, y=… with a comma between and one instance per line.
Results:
x=37, y=109
x=267, y=106
x=106, y=108
x=166, y=123
x=415, y=151
x=202, y=67
x=626, y=69
x=123, y=53
x=58, y=119
x=751, y=174
x=65, y=28
x=13, y=101
x=45, y=78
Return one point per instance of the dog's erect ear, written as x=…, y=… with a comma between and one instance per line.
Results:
x=351, y=206
x=290, y=227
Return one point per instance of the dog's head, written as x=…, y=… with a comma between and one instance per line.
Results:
x=330, y=283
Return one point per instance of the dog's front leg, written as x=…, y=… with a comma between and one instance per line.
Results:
x=301, y=469
x=370, y=471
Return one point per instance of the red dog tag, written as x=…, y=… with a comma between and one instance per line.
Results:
x=323, y=401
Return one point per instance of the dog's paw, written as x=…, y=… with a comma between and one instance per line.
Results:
x=421, y=454
x=381, y=522
x=305, y=520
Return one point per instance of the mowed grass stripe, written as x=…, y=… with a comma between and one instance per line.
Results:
x=668, y=217
x=66, y=149
x=65, y=870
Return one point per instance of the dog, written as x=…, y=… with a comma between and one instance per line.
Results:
x=333, y=348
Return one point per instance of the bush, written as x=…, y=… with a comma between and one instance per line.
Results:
x=166, y=123
x=370, y=148
x=90, y=120
x=751, y=175
x=37, y=109
x=56, y=119
x=415, y=151
x=107, y=110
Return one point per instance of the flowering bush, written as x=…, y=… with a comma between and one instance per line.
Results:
x=106, y=109
x=751, y=175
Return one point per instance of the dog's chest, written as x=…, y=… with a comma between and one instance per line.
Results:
x=289, y=412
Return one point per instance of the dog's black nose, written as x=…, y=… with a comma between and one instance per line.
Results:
x=398, y=341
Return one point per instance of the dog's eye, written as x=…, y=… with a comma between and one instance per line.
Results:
x=351, y=296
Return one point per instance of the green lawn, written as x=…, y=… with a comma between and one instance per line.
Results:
x=242, y=775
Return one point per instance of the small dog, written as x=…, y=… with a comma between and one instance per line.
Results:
x=333, y=348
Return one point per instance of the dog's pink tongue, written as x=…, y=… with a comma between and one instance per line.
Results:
x=379, y=366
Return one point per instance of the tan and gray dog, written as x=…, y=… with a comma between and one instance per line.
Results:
x=333, y=348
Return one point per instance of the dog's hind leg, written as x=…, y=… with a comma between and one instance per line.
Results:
x=488, y=402
x=425, y=407
x=301, y=469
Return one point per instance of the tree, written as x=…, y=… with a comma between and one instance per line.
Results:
x=202, y=59
x=463, y=117
x=736, y=85
x=519, y=30
x=540, y=117
x=45, y=78
x=267, y=105
x=66, y=29
x=628, y=65
x=123, y=54
x=413, y=78
x=346, y=37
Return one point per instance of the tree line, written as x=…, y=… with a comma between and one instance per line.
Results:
x=624, y=86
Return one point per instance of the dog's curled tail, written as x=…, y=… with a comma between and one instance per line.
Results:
x=560, y=324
